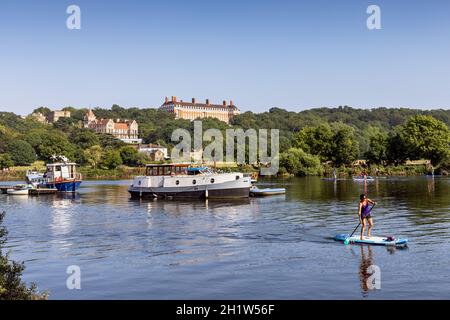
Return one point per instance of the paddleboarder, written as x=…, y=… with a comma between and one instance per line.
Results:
x=364, y=214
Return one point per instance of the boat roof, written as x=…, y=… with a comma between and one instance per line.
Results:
x=197, y=169
x=61, y=164
x=169, y=165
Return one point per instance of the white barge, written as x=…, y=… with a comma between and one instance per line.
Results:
x=184, y=181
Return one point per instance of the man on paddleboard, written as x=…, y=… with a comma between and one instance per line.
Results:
x=364, y=214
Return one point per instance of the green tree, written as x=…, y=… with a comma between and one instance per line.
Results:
x=298, y=162
x=316, y=140
x=129, y=155
x=397, y=150
x=93, y=155
x=6, y=161
x=378, y=148
x=345, y=147
x=84, y=138
x=21, y=152
x=54, y=143
x=111, y=159
x=44, y=110
x=142, y=159
x=427, y=137
x=107, y=140
x=65, y=124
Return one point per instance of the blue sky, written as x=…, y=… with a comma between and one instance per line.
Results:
x=291, y=54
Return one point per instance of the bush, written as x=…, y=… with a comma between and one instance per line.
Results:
x=11, y=285
x=298, y=162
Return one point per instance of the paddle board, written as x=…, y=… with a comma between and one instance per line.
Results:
x=382, y=241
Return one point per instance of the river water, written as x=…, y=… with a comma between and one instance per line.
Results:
x=278, y=247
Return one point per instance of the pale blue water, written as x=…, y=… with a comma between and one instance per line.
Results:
x=278, y=247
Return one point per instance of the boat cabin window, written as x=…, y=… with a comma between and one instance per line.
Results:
x=165, y=170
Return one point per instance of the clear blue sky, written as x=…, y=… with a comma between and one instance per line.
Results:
x=290, y=54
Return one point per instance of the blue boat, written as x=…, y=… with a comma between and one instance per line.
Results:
x=62, y=176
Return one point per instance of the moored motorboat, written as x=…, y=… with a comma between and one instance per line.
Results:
x=61, y=176
x=185, y=181
x=256, y=192
x=19, y=190
x=34, y=177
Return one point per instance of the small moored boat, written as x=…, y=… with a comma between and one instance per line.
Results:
x=363, y=178
x=20, y=190
x=256, y=192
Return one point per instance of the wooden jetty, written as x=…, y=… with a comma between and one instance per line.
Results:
x=31, y=192
x=42, y=191
x=4, y=188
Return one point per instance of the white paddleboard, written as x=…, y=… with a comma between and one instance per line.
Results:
x=383, y=241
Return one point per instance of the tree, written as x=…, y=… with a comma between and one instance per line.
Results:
x=345, y=148
x=6, y=161
x=316, y=140
x=142, y=159
x=108, y=140
x=44, y=110
x=84, y=138
x=21, y=152
x=93, y=155
x=378, y=148
x=129, y=155
x=300, y=163
x=427, y=137
x=397, y=151
x=54, y=143
x=111, y=159
x=65, y=124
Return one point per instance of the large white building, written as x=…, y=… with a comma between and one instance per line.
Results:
x=194, y=110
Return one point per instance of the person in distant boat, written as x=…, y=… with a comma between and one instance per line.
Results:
x=364, y=214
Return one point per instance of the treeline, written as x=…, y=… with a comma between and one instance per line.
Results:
x=307, y=139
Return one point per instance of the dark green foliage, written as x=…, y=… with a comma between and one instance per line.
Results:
x=11, y=285
x=111, y=159
x=6, y=161
x=129, y=155
x=22, y=153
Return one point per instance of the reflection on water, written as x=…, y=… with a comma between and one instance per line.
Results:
x=171, y=249
x=366, y=262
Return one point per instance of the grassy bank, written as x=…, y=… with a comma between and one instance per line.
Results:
x=124, y=172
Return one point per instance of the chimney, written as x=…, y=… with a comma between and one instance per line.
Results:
x=174, y=99
x=193, y=100
x=166, y=100
x=224, y=103
x=207, y=101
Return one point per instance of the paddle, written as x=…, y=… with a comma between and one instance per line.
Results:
x=347, y=239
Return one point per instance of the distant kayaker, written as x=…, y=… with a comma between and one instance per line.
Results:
x=364, y=214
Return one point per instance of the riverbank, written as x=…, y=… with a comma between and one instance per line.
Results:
x=125, y=172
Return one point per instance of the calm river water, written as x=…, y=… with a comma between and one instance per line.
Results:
x=278, y=247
